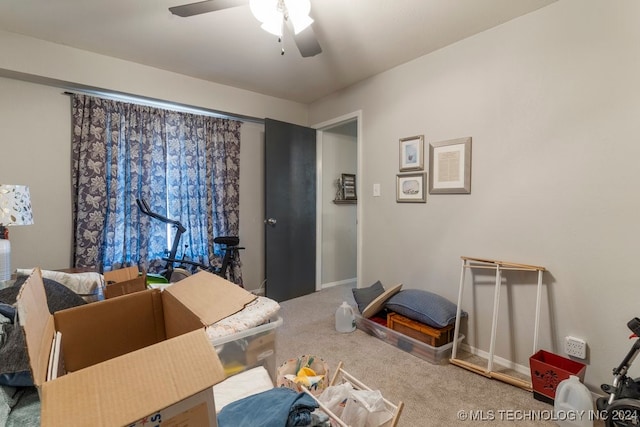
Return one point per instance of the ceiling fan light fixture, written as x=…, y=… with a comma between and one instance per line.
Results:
x=265, y=10
x=298, y=7
x=273, y=26
x=300, y=22
x=272, y=13
x=298, y=11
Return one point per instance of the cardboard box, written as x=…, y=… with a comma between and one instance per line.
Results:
x=124, y=281
x=130, y=359
x=548, y=370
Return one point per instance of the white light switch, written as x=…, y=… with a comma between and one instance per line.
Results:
x=376, y=190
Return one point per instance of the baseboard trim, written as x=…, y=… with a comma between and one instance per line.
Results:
x=521, y=369
x=525, y=370
x=338, y=283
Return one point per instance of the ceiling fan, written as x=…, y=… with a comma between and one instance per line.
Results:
x=274, y=15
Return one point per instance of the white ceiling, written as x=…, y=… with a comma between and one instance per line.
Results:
x=359, y=38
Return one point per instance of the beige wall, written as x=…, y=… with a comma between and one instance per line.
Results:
x=551, y=101
x=37, y=60
x=36, y=151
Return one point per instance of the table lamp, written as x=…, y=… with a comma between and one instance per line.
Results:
x=15, y=209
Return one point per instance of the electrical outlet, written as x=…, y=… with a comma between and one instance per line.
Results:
x=575, y=347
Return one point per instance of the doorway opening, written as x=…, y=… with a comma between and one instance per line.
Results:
x=338, y=243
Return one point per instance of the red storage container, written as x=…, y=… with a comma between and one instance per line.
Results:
x=548, y=370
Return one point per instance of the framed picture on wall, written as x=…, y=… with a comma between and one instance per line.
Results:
x=450, y=166
x=410, y=188
x=349, y=186
x=412, y=153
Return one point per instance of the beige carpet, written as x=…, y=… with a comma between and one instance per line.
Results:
x=434, y=395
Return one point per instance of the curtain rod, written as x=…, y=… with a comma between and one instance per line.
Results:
x=71, y=88
x=169, y=105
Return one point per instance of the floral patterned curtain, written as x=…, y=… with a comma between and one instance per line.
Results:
x=186, y=167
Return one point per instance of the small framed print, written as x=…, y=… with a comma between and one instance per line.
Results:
x=450, y=166
x=411, y=188
x=412, y=153
x=349, y=186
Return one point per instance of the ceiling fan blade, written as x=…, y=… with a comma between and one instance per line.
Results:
x=205, y=7
x=306, y=41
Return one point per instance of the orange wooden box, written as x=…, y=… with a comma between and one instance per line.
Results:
x=435, y=337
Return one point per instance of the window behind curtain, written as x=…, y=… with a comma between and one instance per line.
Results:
x=186, y=166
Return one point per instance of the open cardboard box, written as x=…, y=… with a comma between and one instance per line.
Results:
x=124, y=281
x=142, y=357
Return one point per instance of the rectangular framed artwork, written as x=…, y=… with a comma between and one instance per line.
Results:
x=411, y=188
x=412, y=153
x=450, y=166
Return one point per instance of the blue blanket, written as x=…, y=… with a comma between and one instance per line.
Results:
x=278, y=407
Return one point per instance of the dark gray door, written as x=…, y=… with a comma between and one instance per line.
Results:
x=290, y=210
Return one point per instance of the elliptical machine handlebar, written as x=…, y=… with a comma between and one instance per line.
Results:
x=144, y=208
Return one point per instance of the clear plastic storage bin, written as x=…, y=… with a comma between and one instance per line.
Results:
x=248, y=349
x=435, y=355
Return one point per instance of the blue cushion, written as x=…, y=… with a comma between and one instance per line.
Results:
x=425, y=307
x=364, y=296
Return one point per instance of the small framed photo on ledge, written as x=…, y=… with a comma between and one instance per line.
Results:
x=349, y=186
x=411, y=188
x=412, y=153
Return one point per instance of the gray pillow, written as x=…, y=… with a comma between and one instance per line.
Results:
x=425, y=307
x=14, y=359
x=59, y=297
x=364, y=296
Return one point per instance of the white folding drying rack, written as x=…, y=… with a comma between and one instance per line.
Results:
x=499, y=266
x=342, y=376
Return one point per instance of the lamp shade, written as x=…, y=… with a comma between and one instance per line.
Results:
x=15, y=209
x=15, y=205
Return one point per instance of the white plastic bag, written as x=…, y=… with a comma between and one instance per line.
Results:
x=335, y=397
x=365, y=408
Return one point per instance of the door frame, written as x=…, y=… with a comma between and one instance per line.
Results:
x=320, y=128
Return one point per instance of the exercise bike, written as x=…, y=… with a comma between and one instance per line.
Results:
x=622, y=407
x=186, y=267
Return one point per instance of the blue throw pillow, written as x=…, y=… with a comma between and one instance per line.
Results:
x=425, y=307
